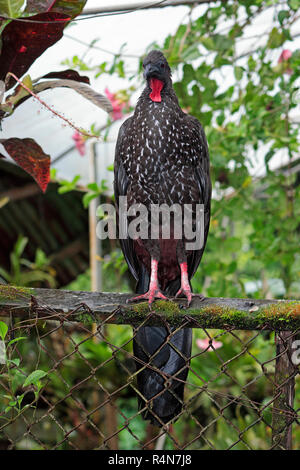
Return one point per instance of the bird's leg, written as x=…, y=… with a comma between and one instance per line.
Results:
x=185, y=288
x=154, y=291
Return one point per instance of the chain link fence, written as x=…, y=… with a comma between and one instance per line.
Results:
x=72, y=385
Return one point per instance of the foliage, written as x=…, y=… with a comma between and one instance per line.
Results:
x=21, y=43
x=25, y=273
x=258, y=229
x=246, y=103
x=15, y=377
x=84, y=365
x=94, y=190
x=30, y=156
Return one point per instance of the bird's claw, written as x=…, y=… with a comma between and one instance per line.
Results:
x=151, y=295
x=188, y=294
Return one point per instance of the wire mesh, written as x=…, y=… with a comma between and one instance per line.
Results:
x=71, y=385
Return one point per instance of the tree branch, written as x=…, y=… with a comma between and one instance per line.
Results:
x=86, y=307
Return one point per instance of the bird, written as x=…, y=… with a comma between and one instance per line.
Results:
x=161, y=157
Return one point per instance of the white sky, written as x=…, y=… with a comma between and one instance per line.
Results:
x=137, y=30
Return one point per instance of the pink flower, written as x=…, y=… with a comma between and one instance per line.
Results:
x=283, y=58
x=285, y=55
x=205, y=344
x=117, y=104
x=79, y=142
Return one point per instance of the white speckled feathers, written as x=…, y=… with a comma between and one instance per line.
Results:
x=162, y=157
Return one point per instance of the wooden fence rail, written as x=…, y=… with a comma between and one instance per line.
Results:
x=222, y=313
x=282, y=316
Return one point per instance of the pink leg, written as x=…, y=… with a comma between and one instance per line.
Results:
x=185, y=288
x=154, y=291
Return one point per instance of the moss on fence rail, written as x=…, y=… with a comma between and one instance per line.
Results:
x=246, y=314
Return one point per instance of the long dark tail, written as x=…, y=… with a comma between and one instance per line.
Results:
x=147, y=341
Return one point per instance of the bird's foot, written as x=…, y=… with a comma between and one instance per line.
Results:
x=152, y=294
x=186, y=291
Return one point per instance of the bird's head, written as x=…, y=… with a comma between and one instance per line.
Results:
x=157, y=73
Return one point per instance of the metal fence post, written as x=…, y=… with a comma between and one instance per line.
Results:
x=284, y=392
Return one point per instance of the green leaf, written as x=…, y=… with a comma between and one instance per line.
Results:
x=53, y=172
x=221, y=42
x=93, y=186
x=16, y=340
x=190, y=53
x=20, y=398
x=268, y=157
x=87, y=198
x=208, y=43
x=100, y=212
x=3, y=330
x=251, y=63
x=276, y=39
x=11, y=8
x=34, y=377
x=220, y=119
x=40, y=258
x=5, y=274
x=217, y=42
x=282, y=15
x=67, y=186
x=188, y=74
x=120, y=68
x=103, y=185
x=20, y=245
x=16, y=361
x=12, y=403
x=238, y=72
x=294, y=4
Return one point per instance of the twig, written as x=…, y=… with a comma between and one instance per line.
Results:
x=87, y=134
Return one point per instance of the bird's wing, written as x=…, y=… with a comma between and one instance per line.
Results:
x=202, y=177
x=120, y=189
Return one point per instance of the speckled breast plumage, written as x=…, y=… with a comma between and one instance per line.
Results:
x=158, y=153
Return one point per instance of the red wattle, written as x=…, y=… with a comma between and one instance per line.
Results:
x=156, y=87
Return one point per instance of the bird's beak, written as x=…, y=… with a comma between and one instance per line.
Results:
x=151, y=70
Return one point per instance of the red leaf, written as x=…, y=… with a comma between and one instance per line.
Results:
x=38, y=6
x=70, y=7
x=68, y=74
x=29, y=156
x=23, y=43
